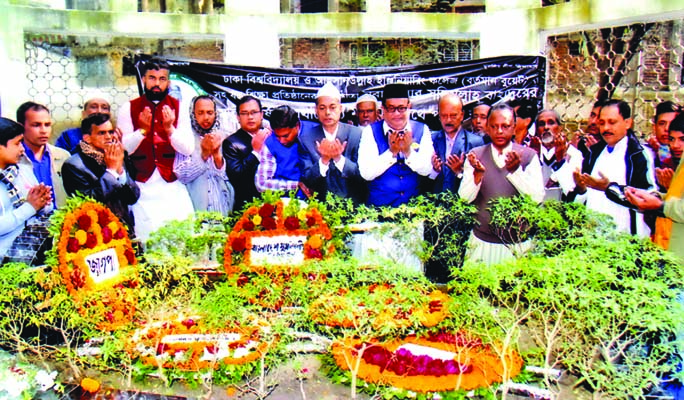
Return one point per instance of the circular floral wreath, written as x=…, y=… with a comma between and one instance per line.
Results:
x=469, y=364
x=89, y=229
x=271, y=219
x=345, y=308
x=195, y=347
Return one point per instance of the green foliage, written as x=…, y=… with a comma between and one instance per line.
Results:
x=599, y=304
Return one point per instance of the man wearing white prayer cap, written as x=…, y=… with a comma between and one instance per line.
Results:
x=367, y=109
x=96, y=103
x=330, y=151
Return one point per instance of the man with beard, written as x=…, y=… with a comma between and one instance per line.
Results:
x=366, y=110
x=22, y=199
x=241, y=150
x=153, y=131
x=45, y=159
x=451, y=144
x=558, y=160
x=395, y=153
x=98, y=169
x=502, y=168
x=584, y=140
x=204, y=171
x=478, y=120
x=616, y=161
x=330, y=151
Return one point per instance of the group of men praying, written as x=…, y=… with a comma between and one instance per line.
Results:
x=160, y=162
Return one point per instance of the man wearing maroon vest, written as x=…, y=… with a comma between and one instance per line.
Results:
x=499, y=169
x=153, y=131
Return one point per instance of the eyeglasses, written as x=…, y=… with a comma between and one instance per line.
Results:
x=249, y=113
x=392, y=109
x=450, y=116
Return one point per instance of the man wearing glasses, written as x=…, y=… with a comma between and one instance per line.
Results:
x=241, y=150
x=395, y=153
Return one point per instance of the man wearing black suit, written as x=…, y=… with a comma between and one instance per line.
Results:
x=330, y=151
x=451, y=144
x=241, y=150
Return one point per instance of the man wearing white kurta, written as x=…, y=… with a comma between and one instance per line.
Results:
x=153, y=130
x=499, y=169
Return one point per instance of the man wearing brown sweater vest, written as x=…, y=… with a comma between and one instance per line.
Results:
x=499, y=169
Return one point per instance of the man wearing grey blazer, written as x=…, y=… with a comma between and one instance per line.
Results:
x=330, y=151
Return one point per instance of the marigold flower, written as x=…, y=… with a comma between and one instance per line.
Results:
x=248, y=225
x=315, y=242
x=81, y=236
x=90, y=385
x=256, y=220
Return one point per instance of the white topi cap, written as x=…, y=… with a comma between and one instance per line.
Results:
x=329, y=90
x=366, y=97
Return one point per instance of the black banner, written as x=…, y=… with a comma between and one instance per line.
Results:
x=492, y=80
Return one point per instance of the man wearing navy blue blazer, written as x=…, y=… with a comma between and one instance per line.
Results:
x=451, y=144
x=330, y=151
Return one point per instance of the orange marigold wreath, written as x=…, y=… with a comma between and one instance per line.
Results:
x=269, y=220
x=469, y=364
x=88, y=230
x=184, y=343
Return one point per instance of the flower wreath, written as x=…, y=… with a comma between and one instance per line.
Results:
x=271, y=220
x=184, y=343
x=345, y=308
x=449, y=361
x=89, y=229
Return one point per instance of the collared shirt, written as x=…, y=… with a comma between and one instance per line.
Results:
x=450, y=141
x=372, y=164
x=263, y=180
x=526, y=181
x=339, y=164
x=41, y=169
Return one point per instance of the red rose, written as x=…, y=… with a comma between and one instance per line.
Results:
x=120, y=233
x=266, y=210
x=314, y=254
x=72, y=245
x=238, y=244
x=91, y=242
x=77, y=278
x=268, y=223
x=130, y=256
x=161, y=348
x=242, y=280
x=106, y=235
x=102, y=217
x=188, y=323
x=291, y=223
x=248, y=225
x=84, y=222
x=310, y=221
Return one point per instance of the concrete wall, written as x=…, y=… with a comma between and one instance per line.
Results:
x=251, y=34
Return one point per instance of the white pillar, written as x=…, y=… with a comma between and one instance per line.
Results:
x=509, y=27
x=13, y=83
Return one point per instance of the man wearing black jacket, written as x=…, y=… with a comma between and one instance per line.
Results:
x=98, y=169
x=617, y=160
x=241, y=150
